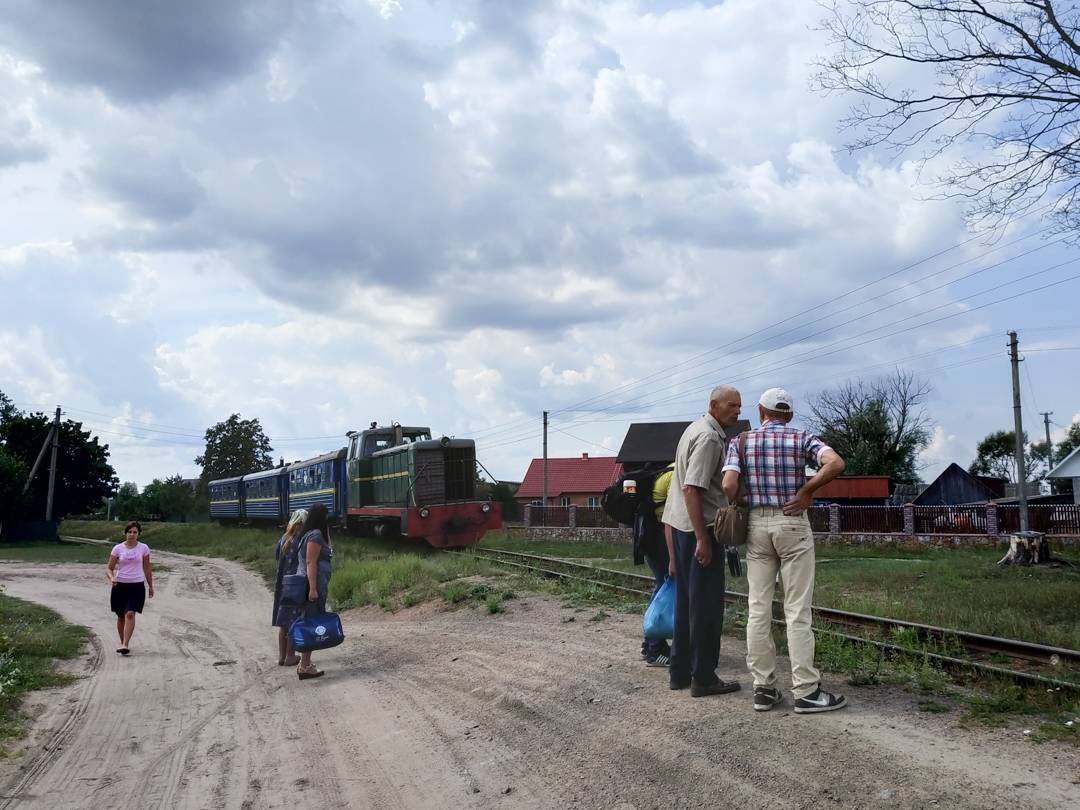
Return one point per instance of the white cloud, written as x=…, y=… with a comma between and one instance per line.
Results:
x=463, y=215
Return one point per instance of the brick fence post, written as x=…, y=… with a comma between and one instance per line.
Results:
x=992, y=527
x=528, y=515
x=573, y=516
x=834, y=518
x=909, y=518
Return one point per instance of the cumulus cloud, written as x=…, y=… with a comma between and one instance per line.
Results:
x=460, y=214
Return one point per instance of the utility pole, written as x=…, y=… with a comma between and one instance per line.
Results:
x=1049, y=447
x=52, y=466
x=545, y=458
x=1018, y=427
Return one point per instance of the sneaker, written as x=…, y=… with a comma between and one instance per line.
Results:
x=644, y=651
x=819, y=701
x=660, y=660
x=718, y=688
x=765, y=699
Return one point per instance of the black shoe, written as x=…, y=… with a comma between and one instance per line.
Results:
x=718, y=688
x=659, y=660
x=819, y=701
x=765, y=699
x=680, y=684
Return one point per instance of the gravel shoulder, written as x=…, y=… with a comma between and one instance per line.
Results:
x=431, y=708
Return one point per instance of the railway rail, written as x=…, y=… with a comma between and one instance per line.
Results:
x=936, y=641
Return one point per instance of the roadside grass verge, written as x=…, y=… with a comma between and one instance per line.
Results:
x=31, y=637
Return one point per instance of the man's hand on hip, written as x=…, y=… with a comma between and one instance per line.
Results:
x=802, y=501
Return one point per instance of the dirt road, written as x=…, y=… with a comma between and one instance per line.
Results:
x=428, y=708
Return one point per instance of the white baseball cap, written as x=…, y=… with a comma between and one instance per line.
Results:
x=777, y=399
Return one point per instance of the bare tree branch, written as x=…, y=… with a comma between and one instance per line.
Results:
x=1005, y=75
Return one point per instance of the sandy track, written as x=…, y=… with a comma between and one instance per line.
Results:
x=444, y=709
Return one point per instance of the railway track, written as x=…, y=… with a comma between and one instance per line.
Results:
x=938, y=644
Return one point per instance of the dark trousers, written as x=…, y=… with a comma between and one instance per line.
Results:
x=699, y=611
x=658, y=562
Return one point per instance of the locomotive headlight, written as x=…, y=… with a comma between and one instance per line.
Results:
x=425, y=512
x=485, y=507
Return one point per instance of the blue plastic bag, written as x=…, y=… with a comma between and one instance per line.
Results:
x=660, y=615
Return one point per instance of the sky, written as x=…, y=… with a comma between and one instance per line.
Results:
x=463, y=213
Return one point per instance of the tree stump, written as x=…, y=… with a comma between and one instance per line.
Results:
x=1027, y=548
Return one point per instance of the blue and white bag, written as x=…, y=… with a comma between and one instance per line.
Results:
x=316, y=632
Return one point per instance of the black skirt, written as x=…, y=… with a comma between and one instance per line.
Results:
x=128, y=596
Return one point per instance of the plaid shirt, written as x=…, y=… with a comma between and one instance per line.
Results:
x=776, y=459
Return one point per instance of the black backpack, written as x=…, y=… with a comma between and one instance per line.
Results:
x=637, y=509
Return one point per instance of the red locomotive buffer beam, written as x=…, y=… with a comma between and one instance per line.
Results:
x=442, y=526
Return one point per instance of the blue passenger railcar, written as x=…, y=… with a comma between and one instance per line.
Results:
x=266, y=496
x=318, y=480
x=225, y=499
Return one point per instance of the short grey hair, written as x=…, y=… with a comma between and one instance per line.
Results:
x=721, y=390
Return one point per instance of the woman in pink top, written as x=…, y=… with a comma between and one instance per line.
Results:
x=129, y=573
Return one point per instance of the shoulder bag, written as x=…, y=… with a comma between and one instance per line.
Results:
x=733, y=520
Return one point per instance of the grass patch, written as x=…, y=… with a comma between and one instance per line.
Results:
x=31, y=637
x=599, y=616
x=932, y=707
x=494, y=605
x=958, y=588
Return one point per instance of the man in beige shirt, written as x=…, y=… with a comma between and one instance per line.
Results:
x=696, y=493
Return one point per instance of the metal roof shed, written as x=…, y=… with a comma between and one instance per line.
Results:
x=1069, y=468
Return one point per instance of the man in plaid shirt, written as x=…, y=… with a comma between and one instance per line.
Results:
x=779, y=538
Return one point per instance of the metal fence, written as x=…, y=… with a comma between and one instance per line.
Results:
x=1050, y=518
x=1060, y=520
x=950, y=520
x=593, y=517
x=872, y=520
x=555, y=517
x=819, y=518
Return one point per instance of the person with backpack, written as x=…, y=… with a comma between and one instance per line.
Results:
x=656, y=553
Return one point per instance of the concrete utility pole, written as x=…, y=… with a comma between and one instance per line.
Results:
x=52, y=466
x=1049, y=447
x=545, y=458
x=1018, y=426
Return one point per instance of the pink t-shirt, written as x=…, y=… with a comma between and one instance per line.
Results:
x=129, y=569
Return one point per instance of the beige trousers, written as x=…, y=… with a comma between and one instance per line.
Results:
x=776, y=542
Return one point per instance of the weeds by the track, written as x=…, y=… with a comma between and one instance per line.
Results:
x=31, y=637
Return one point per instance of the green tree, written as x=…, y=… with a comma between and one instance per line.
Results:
x=7, y=408
x=12, y=480
x=498, y=491
x=996, y=456
x=878, y=428
x=129, y=503
x=234, y=447
x=169, y=498
x=83, y=473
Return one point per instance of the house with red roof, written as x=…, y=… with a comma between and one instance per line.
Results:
x=571, y=481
